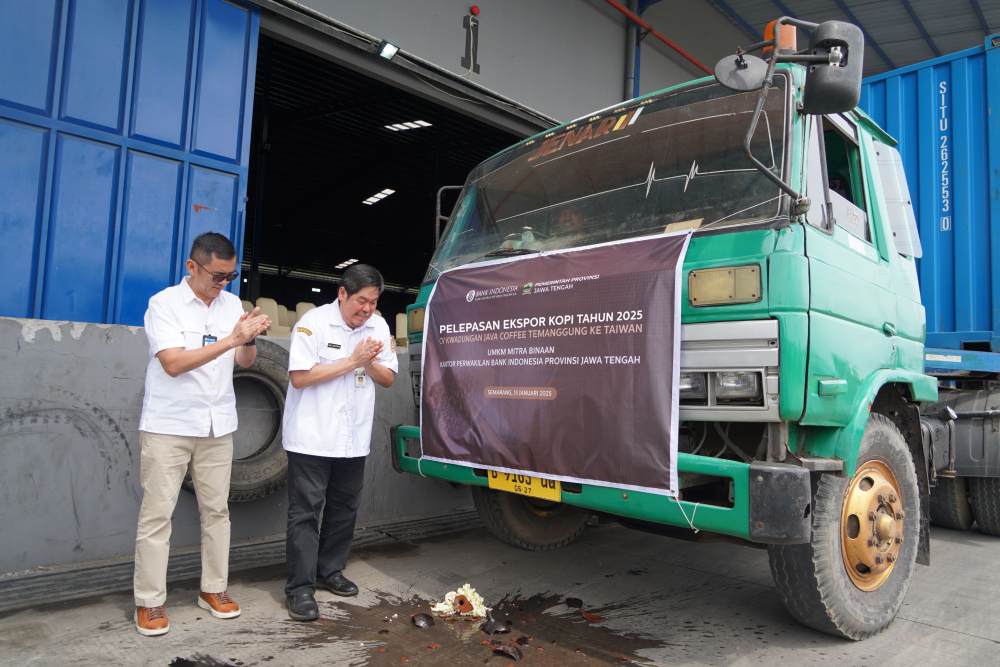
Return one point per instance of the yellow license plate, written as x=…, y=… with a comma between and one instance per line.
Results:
x=536, y=487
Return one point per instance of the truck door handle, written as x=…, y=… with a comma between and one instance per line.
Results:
x=888, y=329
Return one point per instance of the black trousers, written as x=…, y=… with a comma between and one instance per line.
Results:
x=320, y=485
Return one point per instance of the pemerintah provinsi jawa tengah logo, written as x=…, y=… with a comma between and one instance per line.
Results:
x=527, y=288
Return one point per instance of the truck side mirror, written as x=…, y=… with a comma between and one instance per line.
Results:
x=834, y=87
x=741, y=73
x=833, y=82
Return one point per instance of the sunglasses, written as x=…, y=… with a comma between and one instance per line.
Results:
x=219, y=277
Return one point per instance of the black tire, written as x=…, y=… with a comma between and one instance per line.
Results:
x=986, y=501
x=950, y=507
x=528, y=523
x=812, y=579
x=264, y=470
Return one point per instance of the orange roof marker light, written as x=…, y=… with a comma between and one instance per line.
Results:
x=787, y=39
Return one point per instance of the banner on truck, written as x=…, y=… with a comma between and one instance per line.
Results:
x=561, y=366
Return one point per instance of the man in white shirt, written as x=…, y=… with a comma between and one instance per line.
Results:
x=196, y=330
x=339, y=351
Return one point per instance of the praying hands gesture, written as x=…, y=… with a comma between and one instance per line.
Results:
x=366, y=351
x=249, y=326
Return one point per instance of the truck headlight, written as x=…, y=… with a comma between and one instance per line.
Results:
x=693, y=385
x=725, y=285
x=415, y=320
x=737, y=385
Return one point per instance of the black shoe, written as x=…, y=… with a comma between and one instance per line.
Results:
x=338, y=584
x=302, y=607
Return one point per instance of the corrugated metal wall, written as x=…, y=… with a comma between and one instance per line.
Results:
x=946, y=115
x=124, y=133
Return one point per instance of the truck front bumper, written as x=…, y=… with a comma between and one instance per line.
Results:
x=771, y=501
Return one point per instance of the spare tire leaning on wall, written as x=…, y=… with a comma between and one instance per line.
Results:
x=260, y=466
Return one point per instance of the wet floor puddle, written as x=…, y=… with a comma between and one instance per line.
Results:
x=542, y=628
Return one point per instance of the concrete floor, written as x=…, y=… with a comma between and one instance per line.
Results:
x=666, y=602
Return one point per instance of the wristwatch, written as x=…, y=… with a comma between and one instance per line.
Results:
x=251, y=343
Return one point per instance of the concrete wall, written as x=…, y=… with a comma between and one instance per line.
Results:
x=563, y=58
x=70, y=398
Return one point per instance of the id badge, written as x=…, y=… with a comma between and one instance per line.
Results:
x=208, y=340
x=359, y=377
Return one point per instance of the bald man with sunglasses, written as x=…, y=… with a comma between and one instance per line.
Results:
x=196, y=330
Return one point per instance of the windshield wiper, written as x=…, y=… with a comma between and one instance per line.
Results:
x=507, y=252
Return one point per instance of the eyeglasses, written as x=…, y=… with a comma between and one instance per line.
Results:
x=219, y=277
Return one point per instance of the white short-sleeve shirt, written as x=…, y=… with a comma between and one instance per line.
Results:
x=333, y=418
x=202, y=400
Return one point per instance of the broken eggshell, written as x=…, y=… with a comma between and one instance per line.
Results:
x=422, y=620
x=493, y=626
x=593, y=618
x=512, y=651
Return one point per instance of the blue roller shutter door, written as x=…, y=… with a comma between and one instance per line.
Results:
x=124, y=133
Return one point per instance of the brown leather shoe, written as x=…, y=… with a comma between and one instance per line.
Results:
x=151, y=621
x=220, y=604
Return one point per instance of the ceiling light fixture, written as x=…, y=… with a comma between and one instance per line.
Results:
x=344, y=265
x=387, y=50
x=409, y=125
x=315, y=289
x=377, y=197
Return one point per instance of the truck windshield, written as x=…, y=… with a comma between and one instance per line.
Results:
x=668, y=163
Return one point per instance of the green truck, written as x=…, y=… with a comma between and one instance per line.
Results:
x=802, y=330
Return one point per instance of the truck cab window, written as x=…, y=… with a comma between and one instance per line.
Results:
x=843, y=165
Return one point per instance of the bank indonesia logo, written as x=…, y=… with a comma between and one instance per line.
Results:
x=471, y=295
x=527, y=288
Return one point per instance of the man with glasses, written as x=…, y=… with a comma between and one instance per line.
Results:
x=195, y=330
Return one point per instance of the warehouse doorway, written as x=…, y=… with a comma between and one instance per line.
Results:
x=345, y=168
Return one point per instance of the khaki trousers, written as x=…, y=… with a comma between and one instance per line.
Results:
x=165, y=460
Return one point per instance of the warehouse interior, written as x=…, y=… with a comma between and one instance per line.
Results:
x=332, y=181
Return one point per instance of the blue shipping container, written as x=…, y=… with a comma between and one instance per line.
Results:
x=124, y=133
x=946, y=115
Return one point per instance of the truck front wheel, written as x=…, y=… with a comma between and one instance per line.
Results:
x=528, y=523
x=850, y=580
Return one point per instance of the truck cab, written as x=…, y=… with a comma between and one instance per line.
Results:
x=802, y=330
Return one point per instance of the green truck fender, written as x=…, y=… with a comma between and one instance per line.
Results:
x=843, y=443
